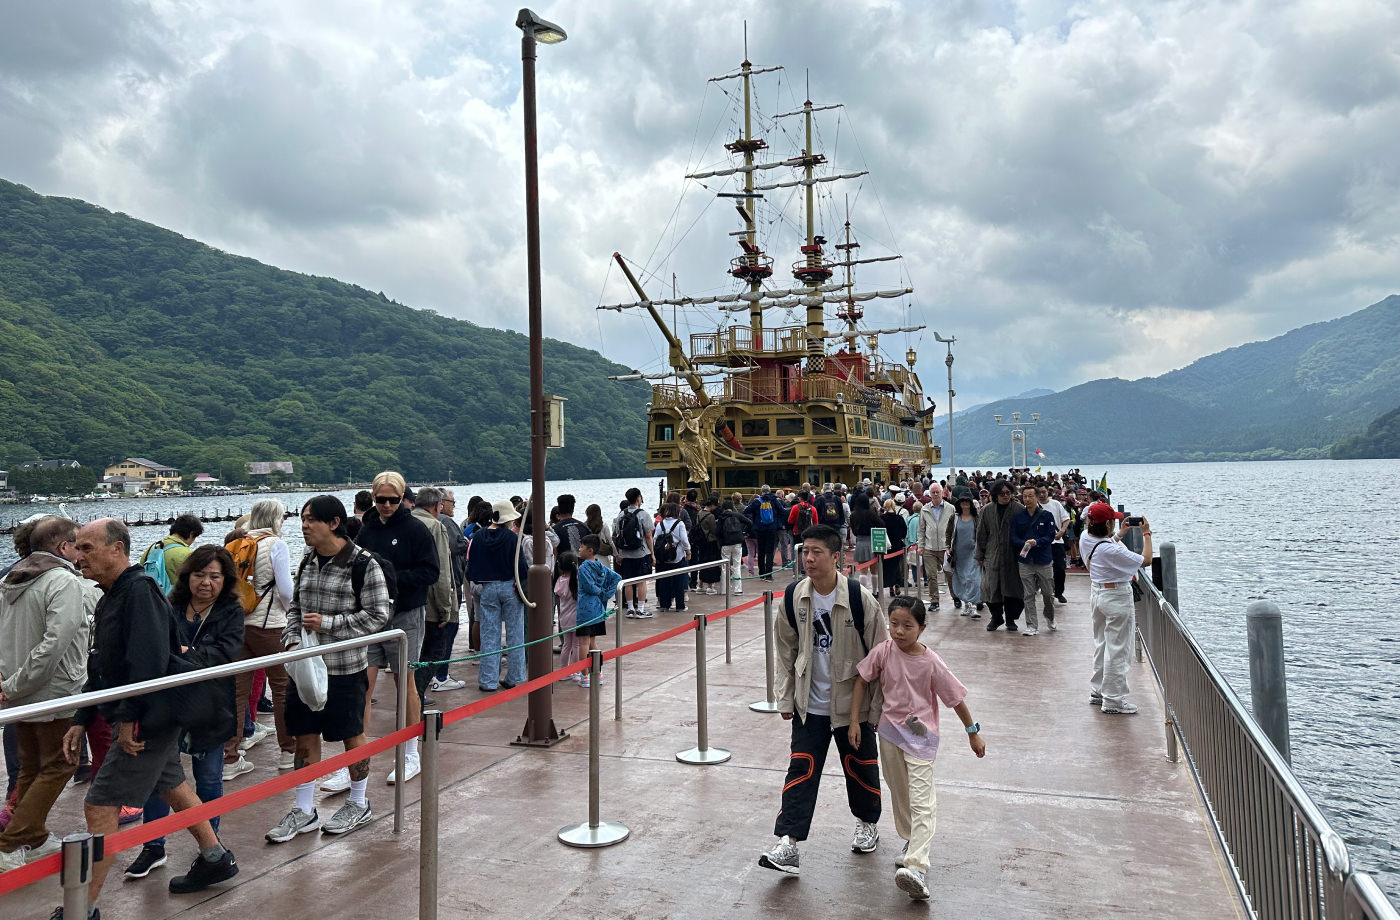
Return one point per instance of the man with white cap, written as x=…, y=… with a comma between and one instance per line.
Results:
x=1111, y=569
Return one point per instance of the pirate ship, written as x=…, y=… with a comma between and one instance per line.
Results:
x=752, y=403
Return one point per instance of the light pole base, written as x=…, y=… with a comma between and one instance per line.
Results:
x=552, y=737
x=706, y=756
x=764, y=706
x=586, y=836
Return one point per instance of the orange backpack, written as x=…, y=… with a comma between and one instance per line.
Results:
x=244, y=551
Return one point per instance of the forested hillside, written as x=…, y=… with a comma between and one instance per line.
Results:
x=119, y=338
x=1380, y=441
x=1291, y=397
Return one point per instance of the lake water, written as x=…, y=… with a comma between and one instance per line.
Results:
x=1319, y=538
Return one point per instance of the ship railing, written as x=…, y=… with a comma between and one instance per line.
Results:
x=1288, y=860
x=672, y=396
x=739, y=340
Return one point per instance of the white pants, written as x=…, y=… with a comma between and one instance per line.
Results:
x=912, y=799
x=1112, y=611
x=735, y=555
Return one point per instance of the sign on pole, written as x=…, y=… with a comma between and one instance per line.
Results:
x=879, y=540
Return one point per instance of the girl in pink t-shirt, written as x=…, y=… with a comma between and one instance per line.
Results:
x=914, y=680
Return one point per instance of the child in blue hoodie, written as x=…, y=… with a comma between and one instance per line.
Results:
x=596, y=584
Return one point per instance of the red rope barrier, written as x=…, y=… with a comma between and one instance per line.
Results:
x=711, y=618
x=181, y=820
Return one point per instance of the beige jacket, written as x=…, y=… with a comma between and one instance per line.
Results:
x=792, y=685
x=441, y=606
x=933, y=534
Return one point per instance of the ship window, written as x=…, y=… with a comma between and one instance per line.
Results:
x=754, y=428
x=741, y=479
x=791, y=427
x=786, y=479
x=665, y=432
x=824, y=425
x=860, y=427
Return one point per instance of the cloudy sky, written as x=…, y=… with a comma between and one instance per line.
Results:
x=1077, y=189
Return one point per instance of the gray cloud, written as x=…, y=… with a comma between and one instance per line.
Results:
x=1082, y=189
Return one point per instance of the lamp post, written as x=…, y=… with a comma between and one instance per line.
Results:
x=952, y=468
x=1018, y=435
x=539, y=722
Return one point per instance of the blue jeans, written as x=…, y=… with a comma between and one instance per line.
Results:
x=208, y=770
x=500, y=604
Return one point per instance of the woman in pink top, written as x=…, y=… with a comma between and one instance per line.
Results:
x=914, y=680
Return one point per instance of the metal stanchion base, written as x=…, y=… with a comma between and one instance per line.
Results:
x=764, y=706
x=584, y=835
x=708, y=755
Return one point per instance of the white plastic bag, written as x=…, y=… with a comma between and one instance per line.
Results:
x=309, y=674
x=948, y=565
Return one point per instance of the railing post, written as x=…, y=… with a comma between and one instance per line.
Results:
x=1167, y=553
x=878, y=575
x=428, y=818
x=594, y=832
x=617, y=662
x=728, y=602
x=80, y=852
x=702, y=753
x=1268, y=687
x=404, y=678
x=768, y=704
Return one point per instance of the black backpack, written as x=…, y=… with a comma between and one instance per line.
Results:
x=806, y=517
x=665, y=543
x=629, y=531
x=731, y=528
x=831, y=511
x=857, y=601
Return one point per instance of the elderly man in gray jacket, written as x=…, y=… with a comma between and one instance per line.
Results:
x=45, y=606
x=933, y=542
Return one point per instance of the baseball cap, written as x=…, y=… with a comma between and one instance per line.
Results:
x=1101, y=513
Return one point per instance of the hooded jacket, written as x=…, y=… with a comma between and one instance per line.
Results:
x=134, y=639
x=44, y=607
x=404, y=541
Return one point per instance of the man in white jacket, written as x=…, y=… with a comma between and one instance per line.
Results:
x=44, y=609
x=933, y=542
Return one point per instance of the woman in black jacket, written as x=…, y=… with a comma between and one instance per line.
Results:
x=209, y=618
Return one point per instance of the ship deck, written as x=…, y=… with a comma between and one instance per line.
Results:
x=1072, y=813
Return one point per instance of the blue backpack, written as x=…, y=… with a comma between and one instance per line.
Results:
x=154, y=566
x=765, y=511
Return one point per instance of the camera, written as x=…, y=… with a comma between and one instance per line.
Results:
x=1133, y=521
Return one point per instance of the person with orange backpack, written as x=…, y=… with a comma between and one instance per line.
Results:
x=264, y=588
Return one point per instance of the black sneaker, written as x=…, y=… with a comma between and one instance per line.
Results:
x=1060, y=599
x=93, y=913
x=204, y=873
x=82, y=775
x=265, y=705
x=150, y=857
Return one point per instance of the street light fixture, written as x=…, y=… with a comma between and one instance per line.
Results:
x=1018, y=435
x=952, y=468
x=539, y=722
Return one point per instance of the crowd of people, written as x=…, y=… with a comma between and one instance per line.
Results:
x=76, y=614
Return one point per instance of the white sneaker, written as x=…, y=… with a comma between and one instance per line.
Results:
x=737, y=591
x=412, y=766
x=260, y=731
x=237, y=768
x=867, y=837
x=12, y=860
x=1030, y=632
x=452, y=683
x=50, y=846
x=782, y=856
x=912, y=882
x=1122, y=708
x=339, y=781
x=286, y=760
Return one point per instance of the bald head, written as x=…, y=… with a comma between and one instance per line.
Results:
x=103, y=551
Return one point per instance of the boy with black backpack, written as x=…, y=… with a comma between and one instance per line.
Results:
x=802, y=515
x=733, y=531
x=828, y=624
x=632, y=537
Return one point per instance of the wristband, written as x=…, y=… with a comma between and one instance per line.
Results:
x=974, y=728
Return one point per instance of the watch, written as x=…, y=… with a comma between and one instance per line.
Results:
x=974, y=728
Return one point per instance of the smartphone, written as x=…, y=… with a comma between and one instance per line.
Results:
x=1133, y=521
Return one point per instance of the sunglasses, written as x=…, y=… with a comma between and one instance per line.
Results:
x=387, y=499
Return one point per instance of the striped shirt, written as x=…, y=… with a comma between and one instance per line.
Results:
x=326, y=588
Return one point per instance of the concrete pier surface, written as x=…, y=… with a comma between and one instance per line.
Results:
x=1072, y=813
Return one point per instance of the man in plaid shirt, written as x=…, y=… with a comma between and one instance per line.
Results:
x=325, y=602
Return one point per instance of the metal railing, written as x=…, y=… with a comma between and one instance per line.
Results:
x=93, y=698
x=1288, y=860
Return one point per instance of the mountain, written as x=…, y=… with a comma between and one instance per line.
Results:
x=119, y=338
x=1290, y=397
x=1381, y=440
